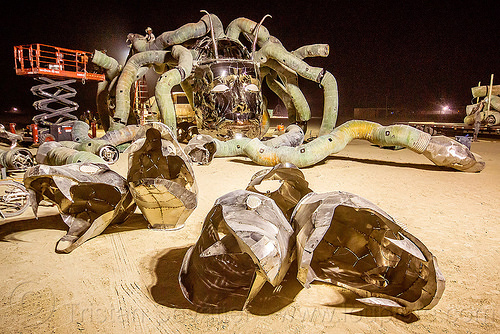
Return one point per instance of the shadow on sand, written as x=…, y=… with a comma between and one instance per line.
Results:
x=167, y=292
x=9, y=229
x=428, y=167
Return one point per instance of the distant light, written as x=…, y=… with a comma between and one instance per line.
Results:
x=14, y=110
x=446, y=108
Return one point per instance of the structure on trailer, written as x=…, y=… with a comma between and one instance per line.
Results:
x=483, y=117
x=56, y=68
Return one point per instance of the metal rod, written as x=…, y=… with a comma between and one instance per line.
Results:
x=489, y=94
x=256, y=33
x=212, y=33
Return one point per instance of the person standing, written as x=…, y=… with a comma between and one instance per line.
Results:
x=478, y=117
x=149, y=34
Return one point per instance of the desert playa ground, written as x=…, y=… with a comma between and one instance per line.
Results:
x=125, y=280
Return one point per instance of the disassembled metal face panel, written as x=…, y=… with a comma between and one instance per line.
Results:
x=245, y=241
x=161, y=178
x=346, y=240
x=89, y=197
x=284, y=183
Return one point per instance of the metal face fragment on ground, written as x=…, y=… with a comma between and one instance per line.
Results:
x=245, y=242
x=346, y=240
x=89, y=197
x=284, y=183
x=161, y=178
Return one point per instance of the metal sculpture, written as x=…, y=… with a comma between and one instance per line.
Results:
x=251, y=237
x=221, y=78
x=245, y=242
x=160, y=177
x=90, y=196
x=348, y=241
x=223, y=82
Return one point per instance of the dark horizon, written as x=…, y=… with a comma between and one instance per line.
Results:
x=417, y=56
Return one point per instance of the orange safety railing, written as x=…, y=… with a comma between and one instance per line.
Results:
x=52, y=61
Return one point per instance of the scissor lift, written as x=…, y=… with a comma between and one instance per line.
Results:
x=56, y=68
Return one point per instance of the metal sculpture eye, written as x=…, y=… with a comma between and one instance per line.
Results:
x=220, y=88
x=252, y=88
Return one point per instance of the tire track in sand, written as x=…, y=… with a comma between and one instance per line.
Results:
x=133, y=296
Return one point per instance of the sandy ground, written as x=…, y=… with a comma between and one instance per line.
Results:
x=125, y=280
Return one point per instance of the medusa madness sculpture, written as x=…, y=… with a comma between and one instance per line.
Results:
x=249, y=237
x=223, y=83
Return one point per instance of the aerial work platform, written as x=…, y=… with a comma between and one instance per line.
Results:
x=44, y=60
x=56, y=69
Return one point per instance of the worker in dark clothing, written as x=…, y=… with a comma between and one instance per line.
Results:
x=478, y=117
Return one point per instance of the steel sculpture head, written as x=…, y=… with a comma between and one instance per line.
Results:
x=227, y=91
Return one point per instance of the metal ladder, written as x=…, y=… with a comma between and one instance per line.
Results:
x=141, y=105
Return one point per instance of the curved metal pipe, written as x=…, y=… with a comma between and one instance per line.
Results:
x=293, y=137
x=277, y=87
x=330, y=103
x=180, y=35
x=127, y=78
x=314, y=50
x=301, y=110
x=113, y=69
x=280, y=60
x=275, y=50
x=55, y=154
x=168, y=80
x=244, y=25
x=120, y=136
x=203, y=148
x=442, y=151
x=110, y=64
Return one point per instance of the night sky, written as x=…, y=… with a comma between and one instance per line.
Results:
x=411, y=54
